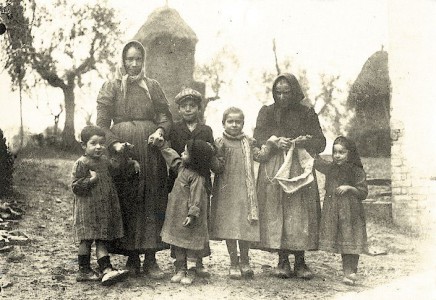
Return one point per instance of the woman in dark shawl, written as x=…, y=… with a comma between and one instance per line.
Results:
x=288, y=222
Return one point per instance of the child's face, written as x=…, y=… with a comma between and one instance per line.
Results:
x=188, y=109
x=340, y=154
x=234, y=124
x=185, y=155
x=95, y=146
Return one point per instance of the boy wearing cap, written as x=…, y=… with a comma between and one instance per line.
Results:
x=190, y=128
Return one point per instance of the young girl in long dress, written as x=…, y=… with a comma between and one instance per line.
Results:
x=97, y=213
x=343, y=226
x=234, y=209
x=186, y=227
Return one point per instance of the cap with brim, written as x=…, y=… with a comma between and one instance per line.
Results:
x=188, y=93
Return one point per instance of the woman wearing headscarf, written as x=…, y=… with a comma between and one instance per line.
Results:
x=288, y=222
x=134, y=111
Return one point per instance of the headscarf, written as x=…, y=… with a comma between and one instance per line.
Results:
x=297, y=95
x=353, y=154
x=122, y=73
x=297, y=92
x=345, y=173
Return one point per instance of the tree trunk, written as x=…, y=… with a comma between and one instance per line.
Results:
x=68, y=136
x=20, y=84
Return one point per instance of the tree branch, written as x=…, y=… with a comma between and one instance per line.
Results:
x=275, y=56
x=89, y=63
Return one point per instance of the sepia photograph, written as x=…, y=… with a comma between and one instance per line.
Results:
x=200, y=149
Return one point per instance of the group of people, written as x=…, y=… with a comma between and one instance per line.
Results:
x=144, y=183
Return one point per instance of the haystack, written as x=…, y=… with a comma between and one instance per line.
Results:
x=370, y=98
x=170, y=45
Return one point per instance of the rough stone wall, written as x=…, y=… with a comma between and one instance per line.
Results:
x=413, y=133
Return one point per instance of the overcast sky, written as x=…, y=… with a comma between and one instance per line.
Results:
x=334, y=37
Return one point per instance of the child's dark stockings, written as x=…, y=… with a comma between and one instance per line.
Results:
x=349, y=263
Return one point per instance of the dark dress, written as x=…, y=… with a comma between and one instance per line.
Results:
x=143, y=201
x=343, y=226
x=180, y=134
x=288, y=221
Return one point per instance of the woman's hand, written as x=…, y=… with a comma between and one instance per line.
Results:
x=121, y=147
x=189, y=221
x=136, y=166
x=301, y=139
x=156, y=139
x=284, y=143
x=94, y=176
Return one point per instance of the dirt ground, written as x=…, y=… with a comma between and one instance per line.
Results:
x=46, y=267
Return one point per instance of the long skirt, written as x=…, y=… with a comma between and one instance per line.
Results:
x=343, y=225
x=143, y=199
x=286, y=221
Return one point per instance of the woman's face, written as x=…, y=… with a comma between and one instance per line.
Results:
x=283, y=93
x=133, y=61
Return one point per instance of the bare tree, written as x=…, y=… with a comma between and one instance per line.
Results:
x=61, y=55
x=218, y=71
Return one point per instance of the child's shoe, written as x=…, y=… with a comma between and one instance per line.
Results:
x=235, y=272
x=87, y=274
x=178, y=276
x=244, y=266
x=189, y=278
x=350, y=279
x=111, y=276
x=303, y=271
x=201, y=271
x=153, y=270
x=133, y=265
x=246, y=271
x=283, y=270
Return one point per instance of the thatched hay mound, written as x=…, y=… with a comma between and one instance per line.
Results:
x=370, y=98
x=165, y=21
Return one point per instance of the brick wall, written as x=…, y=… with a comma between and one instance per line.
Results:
x=413, y=107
